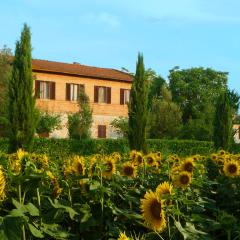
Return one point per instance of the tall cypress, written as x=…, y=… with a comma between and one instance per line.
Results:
x=22, y=113
x=138, y=108
x=223, y=132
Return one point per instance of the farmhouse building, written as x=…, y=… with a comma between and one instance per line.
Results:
x=58, y=85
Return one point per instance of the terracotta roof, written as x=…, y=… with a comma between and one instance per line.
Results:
x=80, y=70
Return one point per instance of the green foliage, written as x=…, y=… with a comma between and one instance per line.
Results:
x=22, y=114
x=120, y=126
x=5, y=72
x=90, y=206
x=223, y=129
x=165, y=118
x=79, y=124
x=48, y=123
x=138, y=108
x=196, y=91
x=60, y=149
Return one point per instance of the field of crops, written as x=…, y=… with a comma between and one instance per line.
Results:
x=132, y=196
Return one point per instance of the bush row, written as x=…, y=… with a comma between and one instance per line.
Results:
x=60, y=148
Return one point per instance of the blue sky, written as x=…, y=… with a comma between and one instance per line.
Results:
x=110, y=33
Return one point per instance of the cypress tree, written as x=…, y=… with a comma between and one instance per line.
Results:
x=22, y=112
x=137, y=108
x=223, y=132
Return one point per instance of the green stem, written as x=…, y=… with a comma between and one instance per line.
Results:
x=19, y=193
x=229, y=235
x=169, y=230
x=159, y=235
x=23, y=232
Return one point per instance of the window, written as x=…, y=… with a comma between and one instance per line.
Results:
x=44, y=89
x=101, y=131
x=73, y=91
x=124, y=96
x=102, y=94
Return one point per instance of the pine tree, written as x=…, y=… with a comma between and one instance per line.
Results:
x=22, y=112
x=223, y=132
x=138, y=108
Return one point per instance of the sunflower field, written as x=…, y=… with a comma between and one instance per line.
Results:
x=130, y=196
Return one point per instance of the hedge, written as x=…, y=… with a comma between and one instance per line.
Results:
x=61, y=148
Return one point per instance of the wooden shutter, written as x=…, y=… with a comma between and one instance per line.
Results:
x=121, y=96
x=95, y=94
x=52, y=90
x=101, y=131
x=37, y=89
x=108, y=95
x=68, y=91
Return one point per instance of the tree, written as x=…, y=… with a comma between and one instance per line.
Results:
x=165, y=119
x=79, y=124
x=223, y=133
x=5, y=72
x=193, y=88
x=138, y=108
x=48, y=123
x=196, y=91
x=120, y=126
x=22, y=112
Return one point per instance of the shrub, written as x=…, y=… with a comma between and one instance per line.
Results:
x=48, y=123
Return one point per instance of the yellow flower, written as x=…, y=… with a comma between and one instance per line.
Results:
x=152, y=212
x=187, y=165
x=78, y=165
x=133, y=155
x=221, y=152
x=150, y=159
x=109, y=168
x=2, y=184
x=20, y=154
x=123, y=236
x=231, y=168
x=164, y=190
x=214, y=157
x=117, y=156
x=128, y=170
x=56, y=188
x=183, y=179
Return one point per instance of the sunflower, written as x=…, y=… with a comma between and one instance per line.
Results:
x=133, y=154
x=20, y=154
x=221, y=152
x=214, y=157
x=150, y=159
x=152, y=212
x=2, y=184
x=56, y=188
x=231, y=168
x=138, y=159
x=128, y=170
x=164, y=190
x=123, y=236
x=41, y=161
x=109, y=168
x=187, y=165
x=78, y=165
x=117, y=156
x=183, y=179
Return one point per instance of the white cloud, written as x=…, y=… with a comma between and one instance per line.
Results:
x=101, y=18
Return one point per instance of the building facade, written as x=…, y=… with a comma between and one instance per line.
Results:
x=57, y=86
x=236, y=128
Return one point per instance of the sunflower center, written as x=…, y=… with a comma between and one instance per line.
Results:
x=232, y=168
x=188, y=167
x=184, y=179
x=128, y=171
x=150, y=160
x=139, y=159
x=156, y=209
x=80, y=168
x=109, y=167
